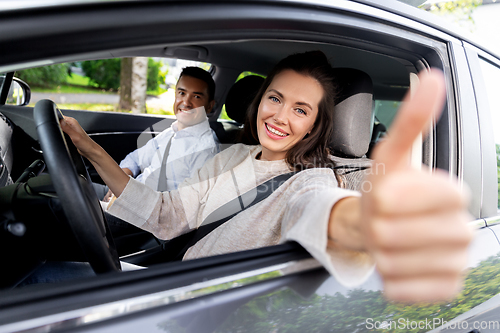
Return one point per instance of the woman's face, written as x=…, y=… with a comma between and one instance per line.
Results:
x=287, y=112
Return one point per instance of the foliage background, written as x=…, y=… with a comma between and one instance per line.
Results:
x=458, y=11
x=105, y=73
x=284, y=311
x=47, y=76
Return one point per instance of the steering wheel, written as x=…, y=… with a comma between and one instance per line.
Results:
x=74, y=189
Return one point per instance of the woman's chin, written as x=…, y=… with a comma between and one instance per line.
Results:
x=272, y=151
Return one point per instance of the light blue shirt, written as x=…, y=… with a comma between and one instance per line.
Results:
x=191, y=147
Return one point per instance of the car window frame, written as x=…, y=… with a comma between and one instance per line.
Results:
x=33, y=307
x=4, y=90
x=489, y=182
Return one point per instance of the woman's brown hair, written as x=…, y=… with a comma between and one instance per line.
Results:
x=312, y=151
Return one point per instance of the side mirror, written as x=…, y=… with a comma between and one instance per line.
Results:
x=19, y=93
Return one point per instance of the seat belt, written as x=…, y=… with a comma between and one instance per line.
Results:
x=352, y=168
x=176, y=248
x=162, y=180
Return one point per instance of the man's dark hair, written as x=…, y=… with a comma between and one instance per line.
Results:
x=201, y=74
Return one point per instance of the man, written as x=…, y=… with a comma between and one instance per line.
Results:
x=176, y=153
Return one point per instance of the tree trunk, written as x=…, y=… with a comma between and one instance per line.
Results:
x=139, y=84
x=126, y=85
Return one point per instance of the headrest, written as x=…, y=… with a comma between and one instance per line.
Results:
x=352, y=116
x=241, y=95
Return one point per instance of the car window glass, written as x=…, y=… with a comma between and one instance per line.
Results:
x=385, y=111
x=98, y=85
x=491, y=75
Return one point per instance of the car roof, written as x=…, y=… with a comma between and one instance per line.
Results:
x=399, y=7
x=254, y=54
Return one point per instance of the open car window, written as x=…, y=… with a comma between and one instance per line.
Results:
x=121, y=133
x=106, y=84
x=96, y=86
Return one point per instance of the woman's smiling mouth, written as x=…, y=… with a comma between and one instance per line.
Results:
x=274, y=132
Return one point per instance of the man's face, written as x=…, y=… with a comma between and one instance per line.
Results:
x=191, y=101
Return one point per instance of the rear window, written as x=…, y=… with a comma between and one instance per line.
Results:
x=385, y=111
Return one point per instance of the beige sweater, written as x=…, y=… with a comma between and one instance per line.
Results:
x=298, y=210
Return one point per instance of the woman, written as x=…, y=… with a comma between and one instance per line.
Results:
x=290, y=119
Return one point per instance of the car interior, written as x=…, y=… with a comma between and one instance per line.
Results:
x=371, y=85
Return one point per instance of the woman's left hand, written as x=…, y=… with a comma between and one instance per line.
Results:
x=412, y=222
x=85, y=145
x=110, y=172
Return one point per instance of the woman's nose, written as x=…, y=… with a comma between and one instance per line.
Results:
x=280, y=116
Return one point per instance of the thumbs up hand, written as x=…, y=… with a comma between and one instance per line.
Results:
x=414, y=222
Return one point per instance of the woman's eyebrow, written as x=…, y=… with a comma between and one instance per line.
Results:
x=277, y=92
x=298, y=103
x=305, y=104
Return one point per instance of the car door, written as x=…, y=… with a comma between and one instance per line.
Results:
x=457, y=145
x=117, y=133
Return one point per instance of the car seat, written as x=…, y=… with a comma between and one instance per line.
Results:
x=238, y=99
x=353, y=121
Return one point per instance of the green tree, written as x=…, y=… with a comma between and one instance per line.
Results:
x=156, y=75
x=104, y=73
x=125, y=103
x=139, y=84
x=459, y=11
x=46, y=77
x=285, y=312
